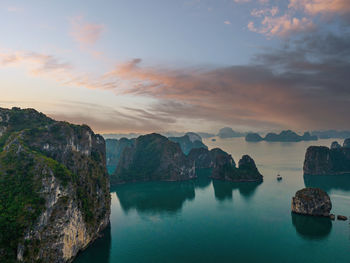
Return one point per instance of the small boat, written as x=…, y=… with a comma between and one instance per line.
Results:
x=279, y=177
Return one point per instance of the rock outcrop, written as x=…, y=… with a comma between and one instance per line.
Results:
x=54, y=187
x=321, y=160
x=188, y=142
x=223, y=166
x=153, y=157
x=311, y=201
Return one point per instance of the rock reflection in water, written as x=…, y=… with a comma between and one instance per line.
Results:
x=310, y=227
x=328, y=182
x=223, y=189
x=99, y=251
x=155, y=197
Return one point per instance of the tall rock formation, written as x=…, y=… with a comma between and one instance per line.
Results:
x=153, y=157
x=54, y=187
x=224, y=167
x=321, y=160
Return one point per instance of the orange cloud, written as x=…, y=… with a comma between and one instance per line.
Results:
x=85, y=33
x=282, y=25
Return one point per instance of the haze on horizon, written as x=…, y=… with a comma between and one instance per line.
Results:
x=141, y=66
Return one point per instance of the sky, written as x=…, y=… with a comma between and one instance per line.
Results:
x=179, y=65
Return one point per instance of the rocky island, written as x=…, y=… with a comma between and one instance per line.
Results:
x=312, y=201
x=321, y=160
x=224, y=167
x=284, y=136
x=54, y=187
x=153, y=157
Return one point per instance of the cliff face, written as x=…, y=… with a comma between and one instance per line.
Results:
x=188, y=142
x=223, y=166
x=114, y=149
x=320, y=160
x=153, y=158
x=54, y=187
x=311, y=201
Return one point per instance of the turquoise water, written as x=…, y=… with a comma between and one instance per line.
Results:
x=215, y=221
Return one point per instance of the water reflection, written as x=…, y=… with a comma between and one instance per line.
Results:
x=155, y=197
x=223, y=190
x=99, y=251
x=310, y=227
x=328, y=182
x=203, y=178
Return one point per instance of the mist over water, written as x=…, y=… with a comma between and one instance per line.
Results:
x=215, y=221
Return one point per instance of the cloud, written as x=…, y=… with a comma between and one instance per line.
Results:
x=282, y=25
x=300, y=16
x=85, y=33
x=315, y=7
x=303, y=85
x=227, y=22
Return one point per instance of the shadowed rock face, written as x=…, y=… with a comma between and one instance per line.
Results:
x=320, y=160
x=114, y=149
x=153, y=157
x=224, y=167
x=311, y=201
x=56, y=171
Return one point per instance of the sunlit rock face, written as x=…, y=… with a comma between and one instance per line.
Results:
x=311, y=201
x=153, y=157
x=57, y=175
x=321, y=160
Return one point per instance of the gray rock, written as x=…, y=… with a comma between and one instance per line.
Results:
x=342, y=218
x=311, y=201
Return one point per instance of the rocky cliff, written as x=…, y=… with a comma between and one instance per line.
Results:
x=54, y=187
x=114, y=149
x=311, y=201
x=153, y=157
x=224, y=167
x=320, y=160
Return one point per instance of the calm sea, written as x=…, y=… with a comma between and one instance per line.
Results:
x=214, y=221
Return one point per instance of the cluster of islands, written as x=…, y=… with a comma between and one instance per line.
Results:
x=55, y=187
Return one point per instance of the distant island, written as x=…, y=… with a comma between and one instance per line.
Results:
x=284, y=136
x=227, y=132
x=329, y=134
x=321, y=160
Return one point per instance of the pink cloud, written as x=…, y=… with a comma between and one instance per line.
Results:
x=85, y=33
x=315, y=7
